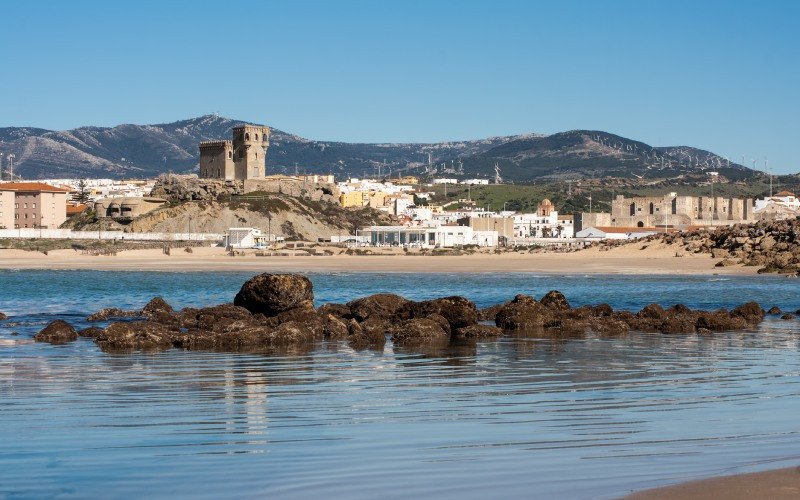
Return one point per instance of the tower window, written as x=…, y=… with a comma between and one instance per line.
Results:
x=230, y=155
x=255, y=137
x=247, y=137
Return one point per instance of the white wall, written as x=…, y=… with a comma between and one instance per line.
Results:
x=106, y=235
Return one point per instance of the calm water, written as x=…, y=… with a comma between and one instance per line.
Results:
x=521, y=417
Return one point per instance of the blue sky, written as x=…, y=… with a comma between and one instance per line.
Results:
x=718, y=75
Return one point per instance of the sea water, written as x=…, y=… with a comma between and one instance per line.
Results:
x=589, y=417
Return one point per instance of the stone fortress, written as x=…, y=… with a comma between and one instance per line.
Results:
x=242, y=158
x=674, y=210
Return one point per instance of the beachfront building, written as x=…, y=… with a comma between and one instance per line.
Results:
x=34, y=205
x=545, y=223
x=431, y=236
x=784, y=205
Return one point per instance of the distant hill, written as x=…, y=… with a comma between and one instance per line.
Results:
x=149, y=150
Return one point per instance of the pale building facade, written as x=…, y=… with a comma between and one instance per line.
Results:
x=6, y=209
x=545, y=223
x=35, y=205
x=242, y=158
x=674, y=210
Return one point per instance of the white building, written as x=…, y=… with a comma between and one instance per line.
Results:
x=476, y=182
x=432, y=236
x=545, y=223
x=784, y=199
x=445, y=180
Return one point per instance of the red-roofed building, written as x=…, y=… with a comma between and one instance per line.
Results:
x=32, y=205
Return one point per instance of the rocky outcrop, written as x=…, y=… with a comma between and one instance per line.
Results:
x=57, y=332
x=385, y=306
x=157, y=306
x=91, y=332
x=3, y=316
x=111, y=312
x=418, y=330
x=135, y=335
x=272, y=294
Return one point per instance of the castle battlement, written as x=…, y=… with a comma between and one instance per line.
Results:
x=216, y=144
x=242, y=158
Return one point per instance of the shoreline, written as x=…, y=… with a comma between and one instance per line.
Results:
x=777, y=484
x=622, y=260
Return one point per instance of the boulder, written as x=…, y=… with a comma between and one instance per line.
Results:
x=290, y=333
x=272, y=294
x=308, y=317
x=156, y=307
x=478, y=332
x=788, y=316
x=751, y=312
x=139, y=335
x=523, y=313
x=3, y=316
x=652, y=311
x=721, y=320
x=335, y=328
x=555, y=300
x=458, y=311
x=418, y=330
x=774, y=310
x=340, y=311
x=92, y=332
x=111, y=312
x=489, y=313
x=57, y=332
x=602, y=310
x=383, y=305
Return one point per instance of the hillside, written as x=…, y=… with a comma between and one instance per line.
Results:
x=150, y=150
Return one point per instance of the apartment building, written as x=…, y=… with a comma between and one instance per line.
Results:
x=34, y=205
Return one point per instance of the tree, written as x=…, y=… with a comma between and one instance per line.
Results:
x=81, y=196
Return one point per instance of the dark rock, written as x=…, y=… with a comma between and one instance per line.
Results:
x=679, y=309
x=652, y=311
x=335, y=328
x=721, y=320
x=418, y=330
x=308, y=317
x=139, y=335
x=775, y=310
x=57, y=332
x=291, y=333
x=788, y=316
x=272, y=294
x=442, y=322
x=246, y=338
x=602, y=310
x=555, y=300
x=677, y=323
x=111, y=312
x=92, y=331
x=3, y=316
x=478, y=332
x=489, y=313
x=524, y=313
x=458, y=311
x=387, y=306
x=157, y=306
x=340, y=311
x=751, y=312
x=374, y=329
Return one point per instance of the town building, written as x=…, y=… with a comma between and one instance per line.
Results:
x=242, y=158
x=545, y=223
x=127, y=209
x=33, y=205
x=784, y=205
x=430, y=236
x=672, y=210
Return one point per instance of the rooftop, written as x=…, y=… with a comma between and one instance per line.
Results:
x=31, y=186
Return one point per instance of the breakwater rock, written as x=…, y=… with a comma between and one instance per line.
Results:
x=773, y=246
x=277, y=311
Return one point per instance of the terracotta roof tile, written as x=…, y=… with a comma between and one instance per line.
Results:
x=30, y=186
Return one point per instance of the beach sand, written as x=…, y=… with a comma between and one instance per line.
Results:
x=781, y=484
x=629, y=259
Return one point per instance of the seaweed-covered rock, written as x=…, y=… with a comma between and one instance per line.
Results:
x=751, y=312
x=340, y=311
x=720, y=320
x=272, y=294
x=111, y=312
x=523, y=313
x=602, y=310
x=308, y=317
x=478, y=331
x=418, y=330
x=555, y=300
x=335, y=328
x=458, y=311
x=652, y=311
x=57, y=332
x=157, y=306
x=92, y=332
x=382, y=305
x=137, y=335
x=489, y=313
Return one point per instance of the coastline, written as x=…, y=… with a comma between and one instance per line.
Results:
x=661, y=259
x=778, y=484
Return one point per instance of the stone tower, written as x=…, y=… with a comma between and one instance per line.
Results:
x=250, y=145
x=240, y=159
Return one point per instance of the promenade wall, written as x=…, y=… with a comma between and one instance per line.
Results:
x=29, y=233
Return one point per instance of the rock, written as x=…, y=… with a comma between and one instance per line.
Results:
x=721, y=320
x=290, y=333
x=374, y=329
x=272, y=294
x=751, y=312
x=335, y=328
x=139, y=335
x=523, y=313
x=775, y=310
x=155, y=307
x=383, y=305
x=340, y=311
x=111, y=312
x=57, y=332
x=788, y=316
x=3, y=316
x=308, y=317
x=555, y=300
x=652, y=311
x=458, y=311
x=602, y=310
x=478, y=332
x=489, y=313
x=442, y=322
x=92, y=331
x=418, y=330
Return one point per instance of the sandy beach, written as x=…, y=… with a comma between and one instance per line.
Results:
x=656, y=259
x=775, y=485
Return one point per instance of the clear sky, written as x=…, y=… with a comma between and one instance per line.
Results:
x=718, y=75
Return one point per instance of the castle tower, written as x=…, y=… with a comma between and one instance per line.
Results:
x=216, y=160
x=250, y=145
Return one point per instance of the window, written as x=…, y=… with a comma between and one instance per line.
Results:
x=34, y=205
x=26, y=216
x=241, y=153
x=26, y=205
x=247, y=136
x=16, y=205
x=16, y=216
x=33, y=216
x=255, y=137
x=230, y=155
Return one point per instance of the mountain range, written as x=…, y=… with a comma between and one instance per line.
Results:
x=138, y=151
